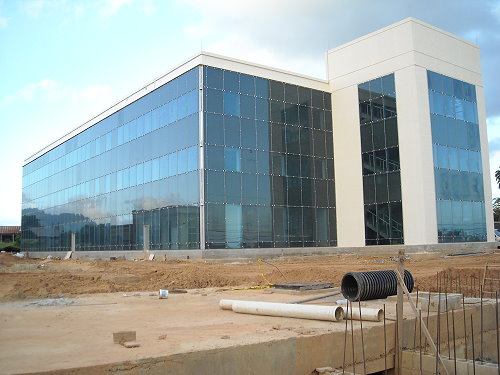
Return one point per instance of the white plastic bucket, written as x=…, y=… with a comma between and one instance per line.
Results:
x=163, y=294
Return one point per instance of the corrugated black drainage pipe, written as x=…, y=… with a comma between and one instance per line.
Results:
x=362, y=286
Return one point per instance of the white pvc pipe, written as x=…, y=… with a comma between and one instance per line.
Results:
x=330, y=313
x=373, y=315
x=227, y=304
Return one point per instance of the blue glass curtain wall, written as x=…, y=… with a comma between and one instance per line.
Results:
x=137, y=167
x=457, y=160
x=380, y=158
x=269, y=171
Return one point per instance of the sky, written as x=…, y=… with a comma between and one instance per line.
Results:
x=64, y=61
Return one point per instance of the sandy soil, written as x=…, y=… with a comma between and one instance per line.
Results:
x=41, y=278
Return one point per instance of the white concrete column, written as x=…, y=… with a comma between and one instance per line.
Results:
x=348, y=169
x=73, y=241
x=146, y=239
x=416, y=158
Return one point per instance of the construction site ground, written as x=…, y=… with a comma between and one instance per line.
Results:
x=57, y=315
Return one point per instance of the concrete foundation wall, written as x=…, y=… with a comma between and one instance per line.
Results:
x=297, y=355
x=227, y=254
x=488, y=325
x=411, y=366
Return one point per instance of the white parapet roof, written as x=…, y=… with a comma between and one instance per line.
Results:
x=409, y=42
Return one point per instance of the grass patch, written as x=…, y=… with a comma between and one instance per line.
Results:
x=3, y=245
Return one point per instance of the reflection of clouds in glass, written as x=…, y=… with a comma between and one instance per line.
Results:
x=91, y=210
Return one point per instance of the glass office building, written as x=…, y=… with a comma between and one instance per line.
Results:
x=221, y=154
x=268, y=171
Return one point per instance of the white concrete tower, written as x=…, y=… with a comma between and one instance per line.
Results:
x=407, y=49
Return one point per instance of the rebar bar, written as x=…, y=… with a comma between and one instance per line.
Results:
x=474, y=283
x=396, y=343
x=428, y=311
x=465, y=327
x=420, y=338
x=437, y=281
x=451, y=281
x=447, y=321
x=473, y=354
x=454, y=346
x=345, y=338
x=415, y=311
x=472, y=286
x=385, y=344
x=498, y=332
x=362, y=339
x=415, y=333
x=352, y=344
x=438, y=329
x=481, y=324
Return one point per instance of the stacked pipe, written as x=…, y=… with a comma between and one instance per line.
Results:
x=362, y=286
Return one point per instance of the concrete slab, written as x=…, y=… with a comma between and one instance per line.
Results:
x=185, y=334
x=441, y=301
x=191, y=326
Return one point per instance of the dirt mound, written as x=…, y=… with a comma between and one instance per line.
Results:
x=42, y=278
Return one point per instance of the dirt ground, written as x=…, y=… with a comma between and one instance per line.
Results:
x=41, y=278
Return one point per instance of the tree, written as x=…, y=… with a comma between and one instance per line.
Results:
x=497, y=177
x=17, y=241
x=496, y=209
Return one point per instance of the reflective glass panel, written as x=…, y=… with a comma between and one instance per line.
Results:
x=108, y=181
x=274, y=155
x=457, y=161
x=380, y=160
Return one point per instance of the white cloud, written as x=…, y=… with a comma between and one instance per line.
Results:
x=493, y=124
x=495, y=10
x=243, y=30
x=34, y=7
x=78, y=10
x=147, y=7
x=96, y=94
x=111, y=7
x=10, y=214
x=48, y=90
x=248, y=49
x=494, y=150
x=4, y=21
x=294, y=32
x=66, y=10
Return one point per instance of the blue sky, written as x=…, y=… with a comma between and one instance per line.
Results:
x=64, y=61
